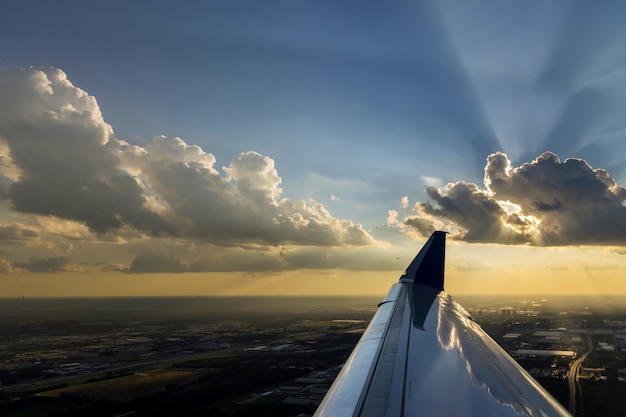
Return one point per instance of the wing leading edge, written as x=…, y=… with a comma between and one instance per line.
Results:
x=423, y=355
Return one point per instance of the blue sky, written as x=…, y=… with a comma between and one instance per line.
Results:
x=358, y=91
x=358, y=105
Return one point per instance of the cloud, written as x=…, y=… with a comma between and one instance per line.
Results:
x=157, y=262
x=6, y=267
x=575, y=203
x=176, y=256
x=60, y=159
x=544, y=202
x=64, y=155
x=477, y=213
x=432, y=181
x=423, y=225
x=167, y=206
x=14, y=233
x=244, y=205
x=52, y=264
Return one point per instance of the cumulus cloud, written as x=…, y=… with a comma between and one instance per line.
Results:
x=544, y=202
x=422, y=224
x=61, y=162
x=574, y=202
x=477, y=213
x=61, y=155
x=243, y=205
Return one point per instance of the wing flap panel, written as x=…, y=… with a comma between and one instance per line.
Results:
x=347, y=393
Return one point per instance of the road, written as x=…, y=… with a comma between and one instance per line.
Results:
x=572, y=377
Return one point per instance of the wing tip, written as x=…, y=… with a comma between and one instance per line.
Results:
x=428, y=266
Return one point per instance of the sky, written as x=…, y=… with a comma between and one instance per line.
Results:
x=311, y=147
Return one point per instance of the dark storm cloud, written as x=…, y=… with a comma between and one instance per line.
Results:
x=544, y=202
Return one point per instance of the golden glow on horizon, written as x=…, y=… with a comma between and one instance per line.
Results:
x=470, y=269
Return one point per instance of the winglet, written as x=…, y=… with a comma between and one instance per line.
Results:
x=428, y=266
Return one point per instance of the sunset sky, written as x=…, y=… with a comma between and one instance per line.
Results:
x=310, y=147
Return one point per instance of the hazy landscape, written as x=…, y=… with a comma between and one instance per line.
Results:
x=240, y=356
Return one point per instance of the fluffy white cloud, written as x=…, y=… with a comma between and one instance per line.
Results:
x=544, y=202
x=54, y=135
x=241, y=206
x=61, y=163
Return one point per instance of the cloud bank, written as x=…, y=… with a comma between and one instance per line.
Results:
x=74, y=189
x=52, y=264
x=545, y=202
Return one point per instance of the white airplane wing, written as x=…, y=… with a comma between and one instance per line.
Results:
x=423, y=355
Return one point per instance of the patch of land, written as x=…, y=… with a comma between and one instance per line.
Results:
x=261, y=356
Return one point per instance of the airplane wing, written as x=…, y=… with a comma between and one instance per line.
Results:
x=423, y=355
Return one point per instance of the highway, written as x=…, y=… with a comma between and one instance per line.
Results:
x=572, y=378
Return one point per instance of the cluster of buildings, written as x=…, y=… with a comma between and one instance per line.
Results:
x=548, y=351
x=306, y=391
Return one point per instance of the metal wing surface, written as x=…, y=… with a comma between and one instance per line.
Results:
x=423, y=355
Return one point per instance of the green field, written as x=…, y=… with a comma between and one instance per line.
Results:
x=128, y=388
